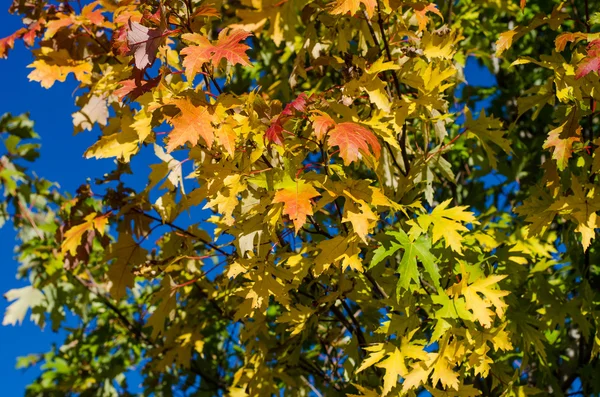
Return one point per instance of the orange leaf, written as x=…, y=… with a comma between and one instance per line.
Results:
x=295, y=197
x=228, y=47
x=192, y=123
x=563, y=39
x=563, y=146
x=8, y=42
x=322, y=123
x=421, y=11
x=352, y=138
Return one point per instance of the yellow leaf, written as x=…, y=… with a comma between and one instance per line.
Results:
x=74, y=234
x=505, y=41
x=446, y=224
x=478, y=305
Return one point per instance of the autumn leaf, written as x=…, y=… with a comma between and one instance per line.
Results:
x=74, y=235
x=414, y=250
x=94, y=111
x=353, y=139
x=295, y=196
x=564, y=38
x=275, y=131
x=143, y=44
x=23, y=299
x=123, y=254
x=51, y=66
x=591, y=63
x=505, y=41
x=322, y=123
x=421, y=11
x=473, y=293
x=8, y=42
x=192, y=123
x=229, y=46
x=561, y=140
x=353, y=6
x=446, y=224
x=488, y=130
x=134, y=88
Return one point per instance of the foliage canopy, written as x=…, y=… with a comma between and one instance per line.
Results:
x=329, y=210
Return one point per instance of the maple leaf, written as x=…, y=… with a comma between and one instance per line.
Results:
x=487, y=130
x=563, y=39
x=446, y=224
x=591, y=62
x=143, y=44
x=353, y=6
x=393, y=365
x=274, y=133
x=7, y=43
x=322, y=123
x=190, y=124
x=479, y=306
x=229, y=46
x=23, y=299
x=353, y=138
x=421, y=11
x=299, y=104
x=55, y=25
x=74, y=235
x=94, y=111
x=414, y=250
x=505, y=41
x=122, y=145
x=442, y=372
x=134, y=88
x=227, y=199
x=561, y=139
x=52, y=66
x=295, y=196
x=226, y=135
x=358, y=213
x=124, y=254
x=166, y=305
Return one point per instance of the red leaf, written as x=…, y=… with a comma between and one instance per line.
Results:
x=134, y=89
x=299, y=104
x=352, y=138
x=591, y=62
x=274, y=133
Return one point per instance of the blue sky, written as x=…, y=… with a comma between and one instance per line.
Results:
x=61, y=160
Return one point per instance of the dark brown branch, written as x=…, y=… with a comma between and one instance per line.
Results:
x=136, y=331
x=182, y=230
